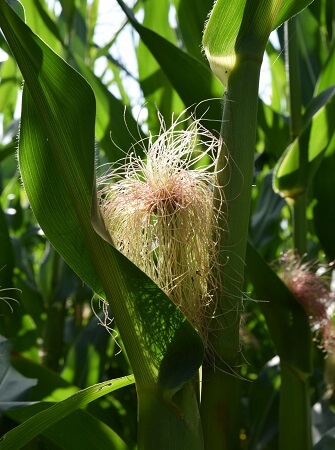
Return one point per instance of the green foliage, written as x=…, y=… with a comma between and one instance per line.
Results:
x=57, y=266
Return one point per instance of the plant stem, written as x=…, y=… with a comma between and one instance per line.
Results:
x=296, y=125
x=220, y=409
x=294, y=416
x=220, y=395
x=300, y=224
x=169, y=424
x=54, y=328
x=293, y=77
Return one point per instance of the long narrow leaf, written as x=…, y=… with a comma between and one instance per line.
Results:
x=35, y=425
x=57, y=165
x=298, y=165
x=190, y=77
x=287, y=322
x=79, y=429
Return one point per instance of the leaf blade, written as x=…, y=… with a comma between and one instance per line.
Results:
x=57, y=163
x=35, y=425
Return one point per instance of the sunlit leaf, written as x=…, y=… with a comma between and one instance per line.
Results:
x=190, y=77
x=42, y=22
x=296, y=169
x=191, y=18
x=278, y=77
x=116, y=129
x=326, y=78
x=156, y=87
x=9, y=88
x=57, y=165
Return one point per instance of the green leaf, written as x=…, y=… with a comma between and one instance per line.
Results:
x=7, y=150
x=93, y=12
x=52, y=388
x=275, y=128
x=57, y=162
x=263, y=406
x=289, y=8
x=191, y=17
x=68, y=10
x=13, y=386
x=88, y=355
x=264, y=222
x=6, y=255
x=324, y=193
x=78, y=32
x=289, y=328
x=77, y=430
x=295, y=170
x=311, y=53
x=156, y=87
x=240, y=29
x=39, y=20
x=190, y=77
x=9, y=144
x=9, y=88
x=326, y=78
x=278, y=76
x=286, y=319
x=18, y=8
x=318, y=102
x=115, y=126
x=39, y=422
x=56, y=155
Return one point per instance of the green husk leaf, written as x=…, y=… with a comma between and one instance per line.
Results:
x=56, y=154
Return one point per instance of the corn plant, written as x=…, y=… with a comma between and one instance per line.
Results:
x=205, y=233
